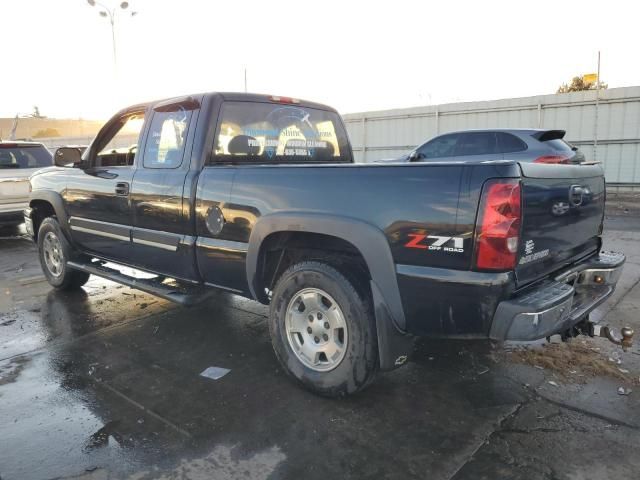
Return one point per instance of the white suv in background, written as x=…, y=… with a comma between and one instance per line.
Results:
x=18, y=160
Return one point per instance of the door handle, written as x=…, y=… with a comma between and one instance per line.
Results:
x=122, y=189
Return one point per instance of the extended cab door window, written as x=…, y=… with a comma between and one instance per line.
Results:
x=272, y=133
x=166, y=139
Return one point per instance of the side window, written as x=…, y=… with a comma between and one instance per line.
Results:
x=439, y=147
x=121, y=147
x=510, y=143
x=477, y=143
x=166, y=139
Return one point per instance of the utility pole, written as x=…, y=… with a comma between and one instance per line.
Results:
x=245, y=80
x=595, y=126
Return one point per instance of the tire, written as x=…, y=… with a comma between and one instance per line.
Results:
x=334, y=361
x=54, y=252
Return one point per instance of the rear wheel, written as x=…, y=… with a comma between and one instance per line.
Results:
x=55, y=251
x=323, y=330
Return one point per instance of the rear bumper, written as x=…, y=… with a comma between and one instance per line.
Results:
x=556, y=305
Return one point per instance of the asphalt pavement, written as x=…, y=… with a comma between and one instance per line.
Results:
x=105, y=383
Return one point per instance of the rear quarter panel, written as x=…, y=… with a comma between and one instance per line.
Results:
x=397, y=200
x=404, y=201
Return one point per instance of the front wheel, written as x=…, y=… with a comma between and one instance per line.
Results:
x=54, y=252
x=323, y=330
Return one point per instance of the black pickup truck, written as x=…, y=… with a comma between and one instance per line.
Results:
x=259, y=195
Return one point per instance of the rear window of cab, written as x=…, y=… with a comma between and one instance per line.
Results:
x=273, y=133
x=24, y=156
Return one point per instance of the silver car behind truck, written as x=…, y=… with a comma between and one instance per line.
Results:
x=18, y=160
x=518, y=144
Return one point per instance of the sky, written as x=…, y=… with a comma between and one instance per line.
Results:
x=355, y=56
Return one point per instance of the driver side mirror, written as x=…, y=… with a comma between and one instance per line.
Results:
x=415, y=156
x=67, y=157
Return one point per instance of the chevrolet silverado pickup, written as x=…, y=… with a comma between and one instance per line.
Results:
x=259, y=196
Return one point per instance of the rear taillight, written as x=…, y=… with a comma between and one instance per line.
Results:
x=552, y=159
x=498, y=226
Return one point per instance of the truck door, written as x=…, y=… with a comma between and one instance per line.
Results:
x=97, y=195
x=162, y=233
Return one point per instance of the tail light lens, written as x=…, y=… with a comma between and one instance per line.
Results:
x=275, y=98
x=552, y=159
x=498, y=226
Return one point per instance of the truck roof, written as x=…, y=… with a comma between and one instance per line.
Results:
x=235, y=97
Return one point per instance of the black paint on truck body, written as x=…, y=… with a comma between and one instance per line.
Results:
x=205, y=222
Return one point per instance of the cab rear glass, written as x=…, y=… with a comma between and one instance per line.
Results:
x=274, y=133
x=24, y=156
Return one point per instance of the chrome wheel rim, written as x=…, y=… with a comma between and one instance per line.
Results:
x=53, y=257
x=316, y=329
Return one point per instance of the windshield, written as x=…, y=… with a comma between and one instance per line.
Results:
x=25, y=156
x=266, y=133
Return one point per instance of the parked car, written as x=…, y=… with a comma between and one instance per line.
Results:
x=520, y=145
x=259, y=196
x=18, y=160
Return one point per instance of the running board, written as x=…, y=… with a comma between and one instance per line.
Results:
x=182, y=294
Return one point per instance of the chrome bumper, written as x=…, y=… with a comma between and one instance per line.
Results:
x=558, y=304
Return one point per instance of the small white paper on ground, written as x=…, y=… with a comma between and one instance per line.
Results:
x=214, y=373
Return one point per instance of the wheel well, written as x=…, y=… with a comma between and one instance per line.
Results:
x=280, y=250
x=41, y=210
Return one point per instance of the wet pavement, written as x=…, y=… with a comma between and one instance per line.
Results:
x=105, y=383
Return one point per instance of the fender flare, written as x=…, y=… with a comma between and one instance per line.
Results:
x=55, y=200
x=368, y=239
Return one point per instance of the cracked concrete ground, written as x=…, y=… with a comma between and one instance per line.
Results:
x=105, y=384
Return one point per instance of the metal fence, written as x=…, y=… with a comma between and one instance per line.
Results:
x=606, y=129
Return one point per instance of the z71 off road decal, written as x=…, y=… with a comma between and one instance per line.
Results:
x=435, y=242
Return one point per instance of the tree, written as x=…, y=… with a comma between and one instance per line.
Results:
x=578, y=85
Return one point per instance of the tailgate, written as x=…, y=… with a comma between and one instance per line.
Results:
x=563, y=208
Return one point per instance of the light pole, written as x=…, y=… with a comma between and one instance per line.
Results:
x=595, y=126
x=111, y=15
